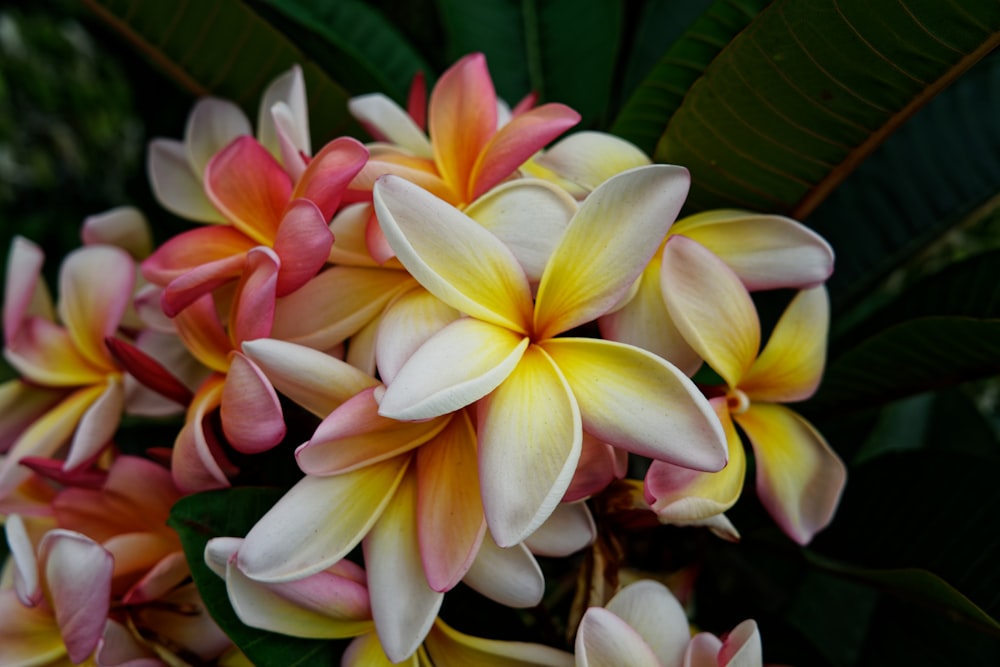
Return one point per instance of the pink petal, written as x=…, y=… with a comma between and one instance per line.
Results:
x=24, y=293
x=149, y=371
x=78, y=575
x=200, y=282
x=516, y=142
x=197, y=462
x=251, y=412
x=303, y=243
x=329, y=173
x=799, y=478
x=163, y=577
x=403, y=605
x=462, y=118
x=416, y=100
x=451, y=524
x=355, y=435
x=95, y=288
x=600, y=464
x=124, y=227
x=742, y=646
x=249, y=187
x=192, y=249
x=199, y=327
x=252, y=312
x=530, y=436
x=120, y=648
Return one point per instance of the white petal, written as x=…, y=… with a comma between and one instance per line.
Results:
x=391, y=123
x=652, y=610
x=569, y=529
x=509, y=576
x=176, y=186
x=211, y=126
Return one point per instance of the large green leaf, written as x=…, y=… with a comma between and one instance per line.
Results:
x=799, y=98
x=223, y=48
x=928, y=177
x=910, y=358
x=648, y=111
x=232, y=513
x=352, y=42
x=550, y=47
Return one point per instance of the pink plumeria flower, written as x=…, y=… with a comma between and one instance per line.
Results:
x=799, y=478
x=644, y=625
x=67, y=357
x=533, y=385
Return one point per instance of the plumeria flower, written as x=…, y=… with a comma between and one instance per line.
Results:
x=468, y=149
x=83, y=395
x=799, y=478
x=402, y=489
x=644, y=625
x=538, y=392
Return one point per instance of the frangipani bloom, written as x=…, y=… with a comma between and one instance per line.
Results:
x=407, y=491
x=644, y=625
x=71, y=357
x=799, y=478
x=537, y=391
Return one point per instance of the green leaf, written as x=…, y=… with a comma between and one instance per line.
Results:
x=233, y=512
x=646, y=114
x=352, y=42
x=799, y=98
x=912, y=585
x=910, y=358
x=550, y=47
x=223, y=48
x=939, y=171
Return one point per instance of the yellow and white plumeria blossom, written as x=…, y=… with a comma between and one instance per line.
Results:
x=643, y=625
x=799, y=478
x=538, y=392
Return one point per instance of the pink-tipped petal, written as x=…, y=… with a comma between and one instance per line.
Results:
x=303, y=243
x=635, y=400
x=742, y=647
x=462, y=119
x=652, y=610
x=288, y=90
x=249, y=187
x=168, y=573
x=509, y=576
x=95, y=287
x=791, y=365
x=329, y=173
x=451, y=524
x=355, y=435
x=78, y=573
x=176, y=185
x=97, y=425
x=200, y=281
x=315, y=380
x=799, y=478
x=124, y=227
x=645, y=322
x=349, y=229
x=285, y=544
x=590, y=158
x=408, y=322
x=516, y=142
x=765, y=251
x=530, y=437
x=529, y=216
x=251, y=412
x=607, y=245
x=336, y=304
x=570, y=528
x=386, y=121
x=197, y=461
x=711, y=307
x=604, y=640
x=24, y=293
x=252, y=311
x=599, y=465
x=703, y=651
x=192, y=249
x=403, y=605
x=453, y=256
x=456, y=367
x=211, y=126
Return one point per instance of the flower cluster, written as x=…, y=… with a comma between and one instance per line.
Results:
x=484, y=327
